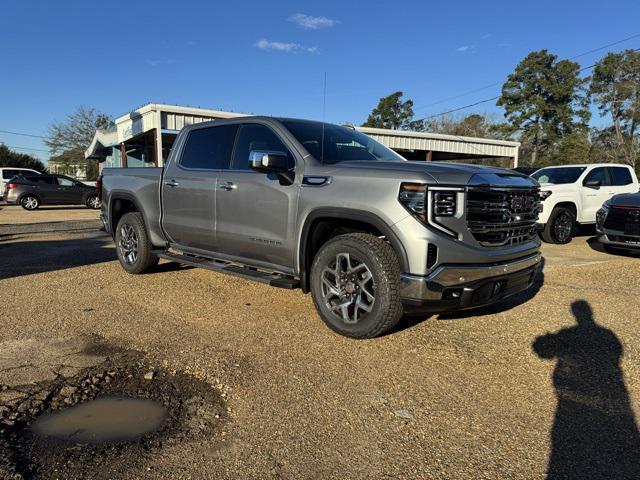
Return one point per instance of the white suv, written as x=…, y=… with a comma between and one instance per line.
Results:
x=573, y=194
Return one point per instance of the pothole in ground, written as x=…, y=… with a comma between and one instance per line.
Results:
x=105, y=421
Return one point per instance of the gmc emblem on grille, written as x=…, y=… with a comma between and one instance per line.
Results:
x=634, y=215
x=520, y=203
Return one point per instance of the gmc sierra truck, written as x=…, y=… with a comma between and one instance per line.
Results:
x=325, y=208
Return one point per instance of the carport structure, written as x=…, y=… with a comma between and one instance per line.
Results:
x=143, y=138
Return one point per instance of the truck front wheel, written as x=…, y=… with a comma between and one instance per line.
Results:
x=559, y=228
x=355, y=285
x=133, y=245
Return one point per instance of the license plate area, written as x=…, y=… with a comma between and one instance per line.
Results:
x=632, y=229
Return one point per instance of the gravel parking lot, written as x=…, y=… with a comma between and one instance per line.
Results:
x=547, y=382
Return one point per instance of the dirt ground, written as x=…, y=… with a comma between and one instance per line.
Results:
x=546, y=384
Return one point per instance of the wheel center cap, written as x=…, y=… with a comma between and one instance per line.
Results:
x=350, y=288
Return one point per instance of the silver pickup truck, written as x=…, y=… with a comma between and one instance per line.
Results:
x=325, y=208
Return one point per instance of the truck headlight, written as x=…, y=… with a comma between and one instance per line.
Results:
x=544, y=195
x=413, y=196
x=430, y=204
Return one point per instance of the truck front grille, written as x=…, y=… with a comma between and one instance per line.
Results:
x=616, y=219
x=502, y=216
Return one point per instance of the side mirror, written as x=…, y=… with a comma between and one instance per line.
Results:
x=593, y=184
x=267, y=161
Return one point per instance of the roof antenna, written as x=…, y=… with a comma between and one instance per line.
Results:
x=324, y=107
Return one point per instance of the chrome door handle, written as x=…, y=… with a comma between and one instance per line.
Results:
x=227, y=186
x=172, y=183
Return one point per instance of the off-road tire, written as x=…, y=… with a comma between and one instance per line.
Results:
x=382, y=262
x=559, y=214
x=144, y=258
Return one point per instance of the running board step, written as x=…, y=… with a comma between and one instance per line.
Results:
x=274, y=279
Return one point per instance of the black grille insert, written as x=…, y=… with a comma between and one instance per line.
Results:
x=502, y=216
x=617, y=218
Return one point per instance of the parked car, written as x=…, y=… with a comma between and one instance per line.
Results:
x=618, y=222
x=7, y=173
x=572, y=194
x=325, y=208
x=31, y=191
x=525, y=170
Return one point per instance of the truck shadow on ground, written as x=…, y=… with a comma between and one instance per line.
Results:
x=595, y=434
x=19, y=258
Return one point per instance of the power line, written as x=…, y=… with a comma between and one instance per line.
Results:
x=22, y=134
x=498, y=83
x=24, y=148
x=464, y=107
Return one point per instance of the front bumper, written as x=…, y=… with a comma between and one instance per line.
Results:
x=618, y=239
x=454, y=287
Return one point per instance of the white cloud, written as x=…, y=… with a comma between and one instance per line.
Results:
x=280, y=46
x=485, y=36
x=309, y=22
x=284, y=47
x=466, y=48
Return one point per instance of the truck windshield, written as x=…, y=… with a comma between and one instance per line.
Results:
x=341, y=144
x=558, y=175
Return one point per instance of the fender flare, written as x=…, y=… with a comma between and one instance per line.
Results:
x=348, y=214
x=123, y=195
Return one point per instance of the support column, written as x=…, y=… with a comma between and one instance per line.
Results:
x=123, y=155
x=154, y=153
x=429, y=155
x=158, y=139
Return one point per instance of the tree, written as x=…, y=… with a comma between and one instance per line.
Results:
x=545, y=99
x=615, y=89
x=9, y=158
x=393, y=113
x=473, y=125
x=67, y=140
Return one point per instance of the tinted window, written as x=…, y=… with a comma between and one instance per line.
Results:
x=209, y=148
x=256, y=137
x=65, y=182
x=558, y=176
x=7, y=174
x=40, y=179
x=620, y=176
x=599, y=174
x=340, y=144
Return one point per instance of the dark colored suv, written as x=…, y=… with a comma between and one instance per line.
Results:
x=31, y=191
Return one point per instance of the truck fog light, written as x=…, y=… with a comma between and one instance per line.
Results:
x=452, y=293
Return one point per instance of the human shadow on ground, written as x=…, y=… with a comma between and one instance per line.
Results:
x=595, y=434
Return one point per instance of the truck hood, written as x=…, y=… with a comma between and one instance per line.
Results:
x=449, y=173
x=560, y=188
x=626, y=200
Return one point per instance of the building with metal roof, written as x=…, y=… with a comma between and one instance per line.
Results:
x=144, y=137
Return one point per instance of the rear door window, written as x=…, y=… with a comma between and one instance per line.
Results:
x=40, y=179
x=65, y=182
x=209, y=148
x=620, y=176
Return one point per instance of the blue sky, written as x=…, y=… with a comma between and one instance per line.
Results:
x=270, y=57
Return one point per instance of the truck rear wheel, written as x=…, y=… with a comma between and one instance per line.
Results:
x=133, y=245
x=559, y=228
x=355, y=285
